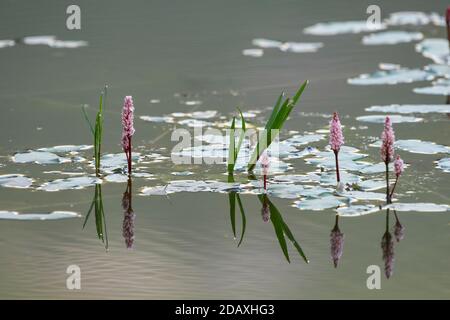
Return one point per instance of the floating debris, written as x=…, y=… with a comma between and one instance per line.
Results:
x=392, y=77
x=53, y=42
x=357, y=210
x=255, y=53
x=417, y=146
x=416, y=18
x=74, y=183
x=394, y=119
x=162, y=119
x=439, y=87
x=435, y=49
x=391, y=37
x=411, y=108
x=54, y=215
x=334, y=28
x=39, y=157
x=7, y=43
x=419, y=207
x=326, y=202
x=15, y=181
x=444, y=164
x=66, y=148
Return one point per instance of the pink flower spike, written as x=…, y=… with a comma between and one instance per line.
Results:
x=336, y=137
x=388, y=139
x=398, y=166
x=127, y=122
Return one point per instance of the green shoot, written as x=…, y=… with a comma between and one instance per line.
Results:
x=278, y=117
x=233, y=150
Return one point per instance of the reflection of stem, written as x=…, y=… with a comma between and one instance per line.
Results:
x=265, y=182
x=338, y=177
x=100, y=221
x=129, y=216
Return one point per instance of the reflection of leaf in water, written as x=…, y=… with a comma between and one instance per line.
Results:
x=281, y=229
x=232, y=197
x=100, y=222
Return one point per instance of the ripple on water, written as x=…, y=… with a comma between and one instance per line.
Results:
x=444, y=164
x=417, y=146
x=416, y=18
x=54, y=215
x=419, y=207
x=435, y=49
x=394, y=119
x=439, y=87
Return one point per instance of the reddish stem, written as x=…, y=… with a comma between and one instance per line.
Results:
x=265, y=182
x=338, y=177
x=129, y=156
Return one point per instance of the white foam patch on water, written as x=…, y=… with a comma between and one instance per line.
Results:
x=117, y=162
x=419, y=207
x=7, y=43
x=66, y=148
x=416, y=18
x=326, y=202
x=435, y=49
x=392, y=77
x=299, y=140
x=329, y=178
x=266, y=43
x=301, y=47
x=254, y=53
x=295, y=178
x=417, y=146
x=195, y=123
x=371, y=185
x=335, y=28
x=376, y=168
x=394, y=119
x=364, y=195
x=182, y=173
x=391, y=37
x=439, y=87
x=74, y=183
x=54, y=215
x=53, y=42
x=157, y=119
x=39, y=157
x=411, y=108
x=441, y=70
x=444, y=164
x=285, y=191
x=191, y=186
x=15, y=181
x=357, y=210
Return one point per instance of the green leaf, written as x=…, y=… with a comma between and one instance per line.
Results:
x=232, y=201
x=83, y=109
x=231, y=148
x=244, y=220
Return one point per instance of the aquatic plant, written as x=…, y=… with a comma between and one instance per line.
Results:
x=387, y=151
x=100, y=222
x=233, y=150
x=127, y=128
x=398, y=169
x=399, y=229
x=336, y=243
x=336, y=141
x=129, y=216
x=278, y=117
x=265, y=162
x=281, y=228
x=97, y=129
x=234, y=197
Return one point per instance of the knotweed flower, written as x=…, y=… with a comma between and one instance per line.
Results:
x=387, y=151
x=336, y=140
x=127, y=128
x=387, y=142
x=399, y=231
x=398, y=166
x=265, y=162
x=337, y=243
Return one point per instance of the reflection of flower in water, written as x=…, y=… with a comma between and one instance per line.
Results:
x=399, y=229
x=265, y=212
x=129, y=217
x=387, y=245
x=337, y=243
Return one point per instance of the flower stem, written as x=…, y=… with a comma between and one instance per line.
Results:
x=265, y=182
x=388, y=196
x=393, y=188
x=129, y=156
x=338, y=177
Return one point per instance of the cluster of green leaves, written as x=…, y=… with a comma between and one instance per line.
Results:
x=278, y=117
x=233, y=149
x=97, y=129
x=100, y=222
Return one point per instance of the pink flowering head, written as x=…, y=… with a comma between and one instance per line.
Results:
x=447, y=16
x=387, y=142
x=336, y=136
x=265, y=211
x=127, y=122
x=398, y=166
x=337, y=245
x=265, y=162
x=387, y=245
